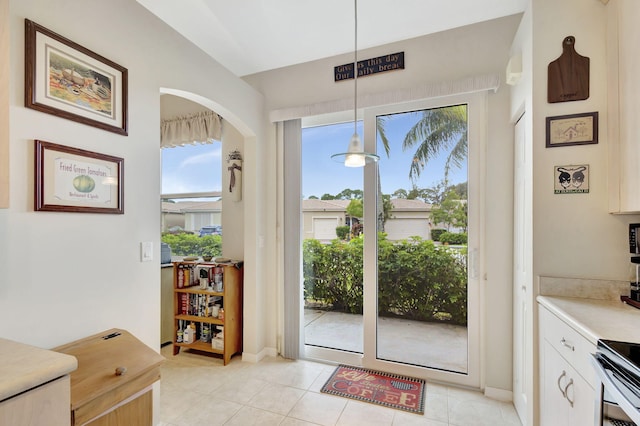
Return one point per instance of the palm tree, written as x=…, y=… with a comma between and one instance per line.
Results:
x=439, y=129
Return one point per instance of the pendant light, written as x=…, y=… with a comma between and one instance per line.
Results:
x=355, y=155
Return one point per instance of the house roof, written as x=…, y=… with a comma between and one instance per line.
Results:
x=191, y=206
x=324, y=205
x=402, y=204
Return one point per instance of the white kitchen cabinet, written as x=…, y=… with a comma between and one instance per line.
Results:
x=567, y=395
x=623, y=84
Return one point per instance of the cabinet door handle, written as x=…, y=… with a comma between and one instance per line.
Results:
x=562, y=391
x=566, y=391
x=567, y=345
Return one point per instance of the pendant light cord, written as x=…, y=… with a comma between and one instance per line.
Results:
x=355, y=70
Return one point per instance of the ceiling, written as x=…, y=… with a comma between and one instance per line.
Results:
x=251, y=36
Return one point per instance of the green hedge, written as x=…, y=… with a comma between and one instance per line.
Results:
x=451, y=238
x=192, y=245
x=343, y=232
x=435, y=233
x=416, y=279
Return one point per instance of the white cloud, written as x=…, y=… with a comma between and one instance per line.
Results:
x=208, y=157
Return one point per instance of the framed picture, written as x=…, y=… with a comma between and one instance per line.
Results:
x=70, y=81
x=574, y=129
x=74, y=180
x=571, y=179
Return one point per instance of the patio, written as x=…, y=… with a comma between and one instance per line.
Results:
x=436, y=345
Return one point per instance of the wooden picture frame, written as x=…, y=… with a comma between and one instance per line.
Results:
x=74, y=180
x=67, y=80
x=573, y=129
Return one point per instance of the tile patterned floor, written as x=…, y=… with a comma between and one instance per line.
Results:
x=198, y=390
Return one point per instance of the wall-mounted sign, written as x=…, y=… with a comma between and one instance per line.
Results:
x=571, y=179
x=391, y=62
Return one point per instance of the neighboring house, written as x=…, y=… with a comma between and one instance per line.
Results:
x=319, y=217
x=191, y=215
x=202, y=213
x=408, y=218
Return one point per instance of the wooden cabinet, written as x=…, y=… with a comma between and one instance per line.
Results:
x=113, y=383
x=567, y=395
x=198, y=288
x=47, y=404
x=623, y=85
x=34, y=385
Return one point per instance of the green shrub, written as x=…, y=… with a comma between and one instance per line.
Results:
x=451, y=238
x=435, y=234
x=416, y=279
x=193, y=245
x=342, y=232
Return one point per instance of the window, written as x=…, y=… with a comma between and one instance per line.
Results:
x=191, y=199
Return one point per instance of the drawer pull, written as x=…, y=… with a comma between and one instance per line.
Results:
x=566, y=392
x=567, y=345
x=120, y=371
x=562, y=391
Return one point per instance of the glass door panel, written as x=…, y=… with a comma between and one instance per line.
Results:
x=332, y=250
x=422, y=242
x=390, y=253
x=421, y=292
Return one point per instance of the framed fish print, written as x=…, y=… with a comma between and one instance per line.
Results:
x=70, y=81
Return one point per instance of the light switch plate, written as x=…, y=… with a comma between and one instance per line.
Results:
x=146, y=251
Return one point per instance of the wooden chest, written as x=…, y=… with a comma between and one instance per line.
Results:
x=112, y=385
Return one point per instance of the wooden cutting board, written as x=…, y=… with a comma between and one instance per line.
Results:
x=568, y=76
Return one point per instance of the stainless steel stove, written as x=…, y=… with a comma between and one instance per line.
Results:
x=618, y=367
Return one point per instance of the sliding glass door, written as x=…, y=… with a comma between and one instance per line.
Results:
x=395, y=286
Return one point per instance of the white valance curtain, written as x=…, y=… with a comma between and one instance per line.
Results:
x=199, y=128
x=427, y=91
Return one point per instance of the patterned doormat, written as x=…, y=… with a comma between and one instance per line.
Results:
x=390, y=390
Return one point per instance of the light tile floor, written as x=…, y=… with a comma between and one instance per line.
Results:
x=196, y=389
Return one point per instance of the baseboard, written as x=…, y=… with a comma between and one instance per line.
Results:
x=255, y=358
x=498, y=394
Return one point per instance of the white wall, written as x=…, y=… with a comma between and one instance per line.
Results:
x=69, y=275
x=574, y=235
x=232, y=211
x=453, y=55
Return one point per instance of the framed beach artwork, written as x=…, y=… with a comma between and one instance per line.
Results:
x=70, y=81
x=574, y=129
x=74, y=180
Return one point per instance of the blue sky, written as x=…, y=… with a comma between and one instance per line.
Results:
x=323, y=175
x=192, y=168
x=197, y=168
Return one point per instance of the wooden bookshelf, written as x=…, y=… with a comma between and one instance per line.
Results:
x=193, y=304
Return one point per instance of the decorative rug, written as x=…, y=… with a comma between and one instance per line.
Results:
x=390, y=390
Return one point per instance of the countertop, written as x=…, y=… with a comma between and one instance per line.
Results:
x=596, y=318
x=23, y=367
